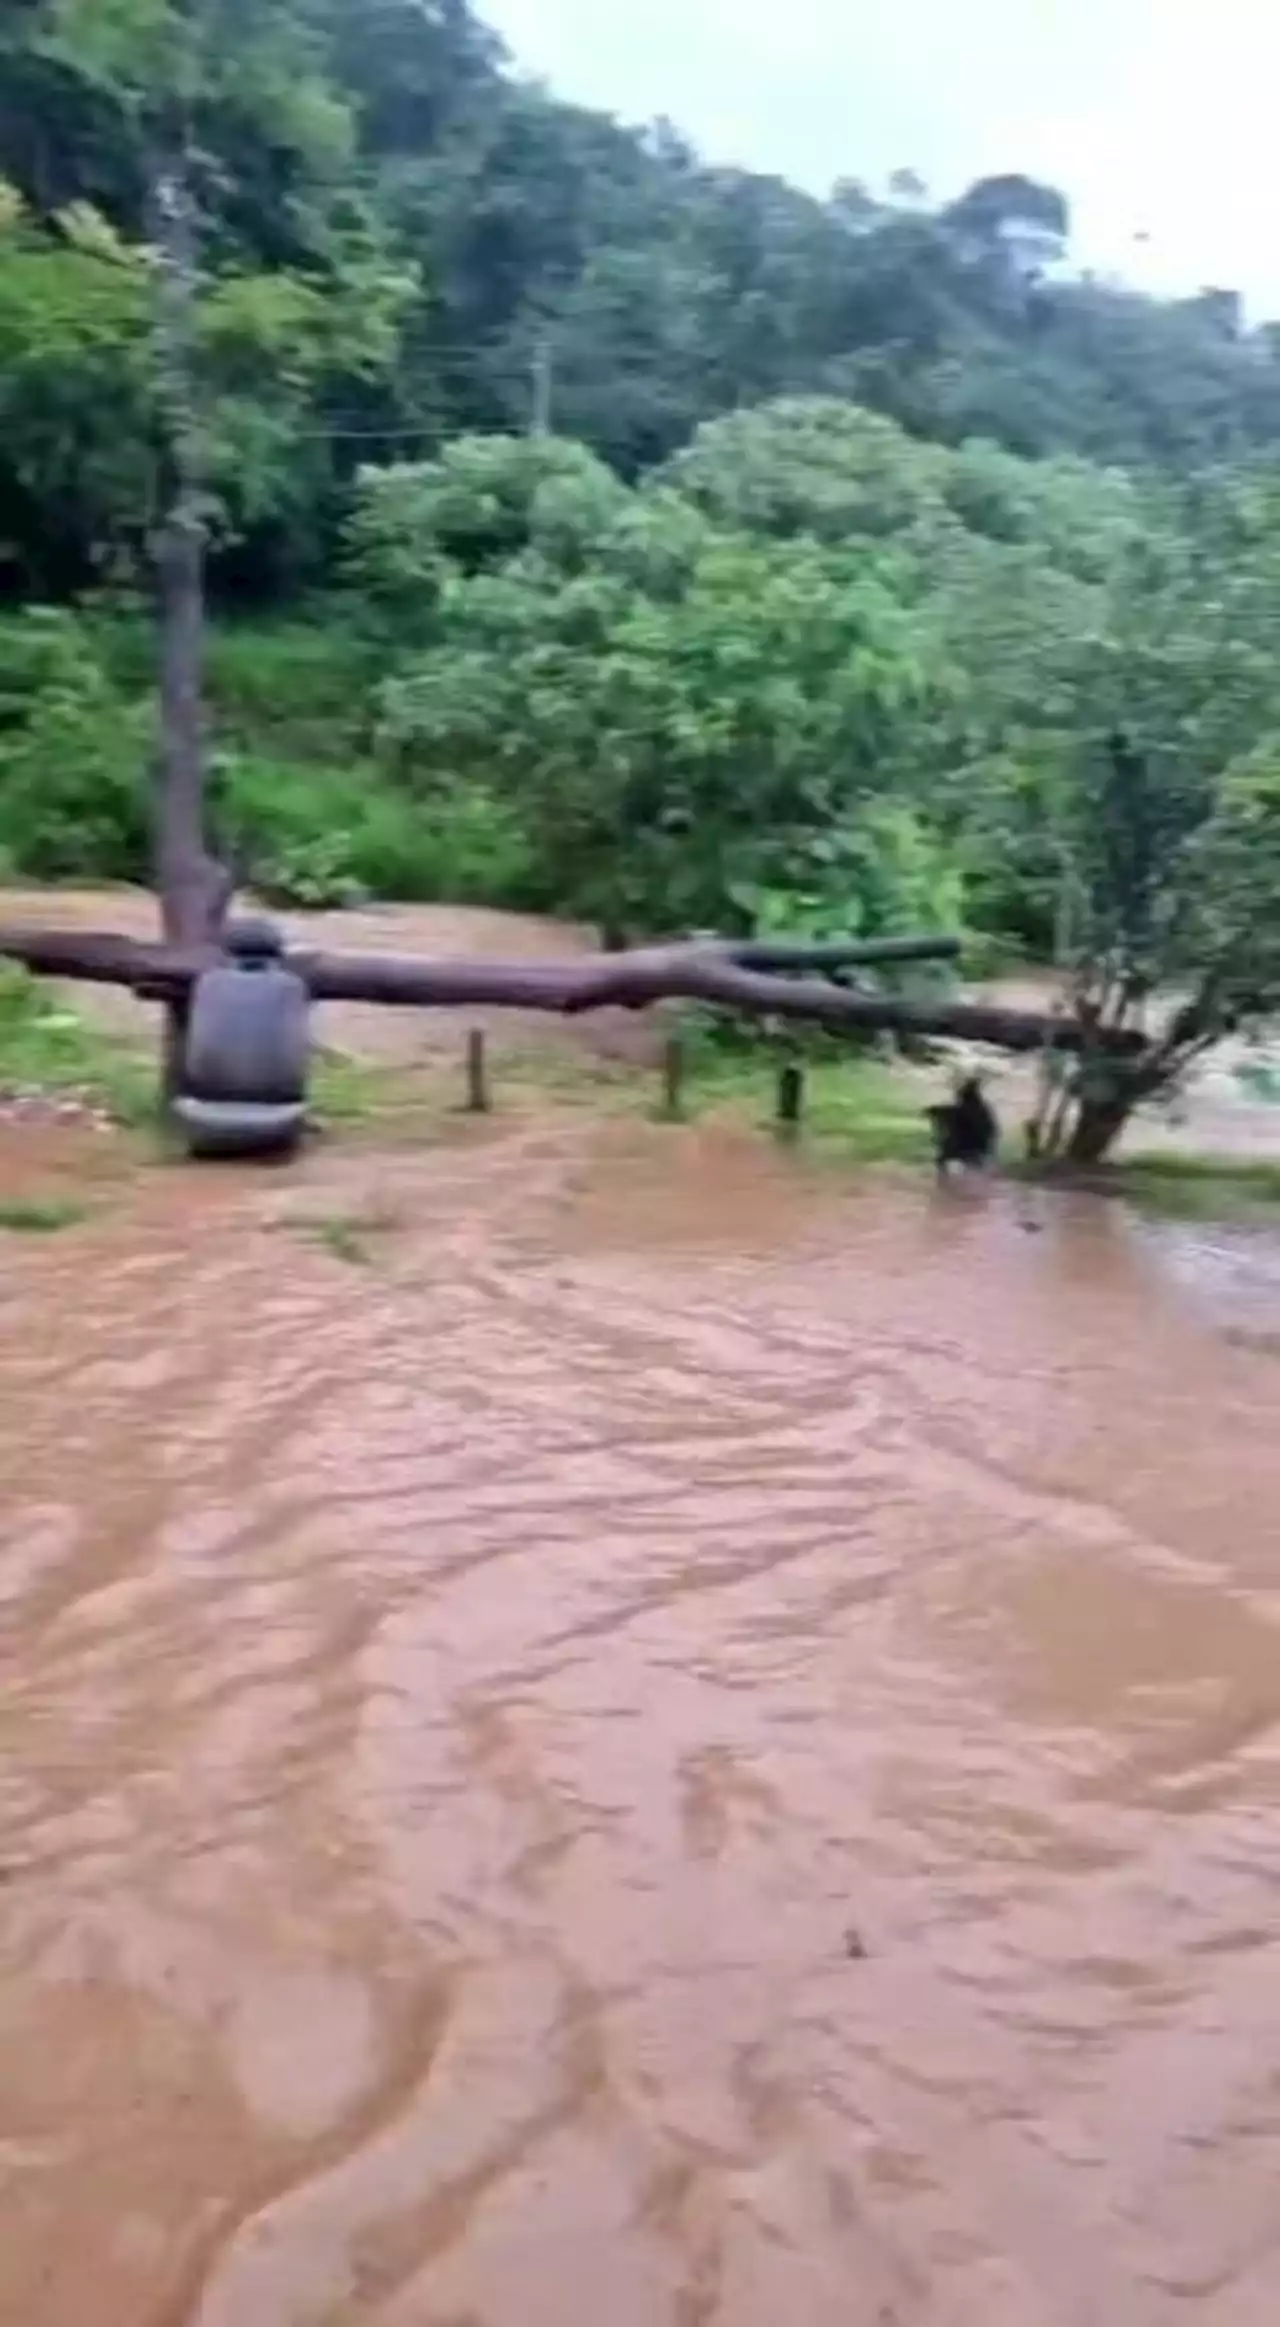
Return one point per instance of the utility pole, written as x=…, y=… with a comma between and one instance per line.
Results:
x=543, y=385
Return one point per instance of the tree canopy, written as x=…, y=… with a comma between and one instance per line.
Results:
x=398, y=228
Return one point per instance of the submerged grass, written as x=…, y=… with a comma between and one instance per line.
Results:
x=40, y=1215
x=852, y=1110
x=345, y=1090
x=47, y=1047
x=347, y=1236
x=1199, y=1187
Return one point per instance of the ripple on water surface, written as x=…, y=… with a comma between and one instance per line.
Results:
x=692, y=1744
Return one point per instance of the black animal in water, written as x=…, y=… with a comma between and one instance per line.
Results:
x=965, y=1131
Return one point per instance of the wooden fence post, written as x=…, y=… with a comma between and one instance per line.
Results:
x=673, y=1066
x=479, y=1096
x=790, y=1103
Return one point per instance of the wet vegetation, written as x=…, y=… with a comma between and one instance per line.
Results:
x=39, y=1215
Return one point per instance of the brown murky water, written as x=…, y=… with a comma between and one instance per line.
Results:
x=694, y=1747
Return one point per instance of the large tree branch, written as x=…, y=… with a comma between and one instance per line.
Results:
x=720, y=974
x=756, y=953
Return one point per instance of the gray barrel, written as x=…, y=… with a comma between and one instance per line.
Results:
x=244, y=1083
x=216, y=1128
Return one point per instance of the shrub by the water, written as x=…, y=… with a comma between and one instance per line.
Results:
x=73, y=755
x=324, y=837
x=314, y=819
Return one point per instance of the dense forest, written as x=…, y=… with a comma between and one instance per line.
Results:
x=594, y=529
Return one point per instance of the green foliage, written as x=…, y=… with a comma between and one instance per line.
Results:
x=39, y=1215
x=1201, y=1187
x=1166, y=722
x=75, y=408
x=315, y=837
x=46, y=1046
x=291, y=710
x=810, y=465
x=351, y=1237
x=298, y=690
x=682, y=715
x=73, y=755
x=300, y=298
x=479, y=505
x=890, y=875
x=855, y=1109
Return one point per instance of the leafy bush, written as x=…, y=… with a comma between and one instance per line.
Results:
x=302, y=690
x=74, y=755
x=319, y=838
x=890, y=875
x=290, y=788
x=672, y=737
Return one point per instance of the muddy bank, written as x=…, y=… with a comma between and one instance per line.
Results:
x=684, y=1742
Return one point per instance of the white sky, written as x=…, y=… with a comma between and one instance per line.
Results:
x=1156, y=117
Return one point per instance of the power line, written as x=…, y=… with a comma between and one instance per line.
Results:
x=424, y=431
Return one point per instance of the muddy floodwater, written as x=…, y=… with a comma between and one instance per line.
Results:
x=605, y=1725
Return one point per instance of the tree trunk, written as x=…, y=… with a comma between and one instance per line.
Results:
x=193, y=889
x=1097, y=1127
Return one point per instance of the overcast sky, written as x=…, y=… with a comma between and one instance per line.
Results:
x=1156, y=117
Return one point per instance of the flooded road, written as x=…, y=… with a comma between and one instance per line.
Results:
x=692, y=1745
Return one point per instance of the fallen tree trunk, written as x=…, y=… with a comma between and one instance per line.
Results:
x=829, y=954
x=723, y=975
